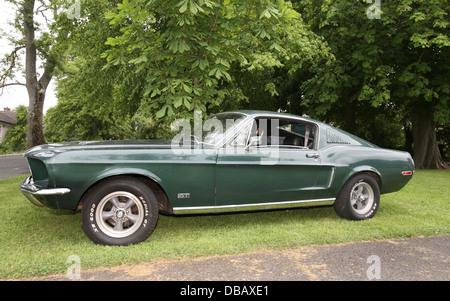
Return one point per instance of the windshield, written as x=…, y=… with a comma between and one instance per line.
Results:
x=218, y=126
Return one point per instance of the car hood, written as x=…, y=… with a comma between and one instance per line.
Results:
x=49, y=150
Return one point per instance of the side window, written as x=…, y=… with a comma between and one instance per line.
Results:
x=306, y=131
x=283, y=133
x=241, y=139
x=334, y=136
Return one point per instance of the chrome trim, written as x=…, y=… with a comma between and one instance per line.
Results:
x=331, y=177
x=252, y=207
x=31, y=191
x=28, y=186
x=32, y=199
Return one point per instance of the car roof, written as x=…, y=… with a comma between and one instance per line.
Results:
x=255, y=113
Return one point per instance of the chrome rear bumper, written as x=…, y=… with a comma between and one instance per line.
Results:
x=32, y=193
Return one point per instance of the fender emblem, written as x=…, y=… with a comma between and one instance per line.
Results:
x=184, y=195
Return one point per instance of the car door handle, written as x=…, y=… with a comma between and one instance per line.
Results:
x=312, y=155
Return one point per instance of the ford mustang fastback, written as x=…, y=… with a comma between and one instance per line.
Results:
x=234, y=161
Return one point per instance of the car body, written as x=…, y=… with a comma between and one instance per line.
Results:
x=236, y=161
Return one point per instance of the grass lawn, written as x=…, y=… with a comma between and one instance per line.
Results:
x=38, y=241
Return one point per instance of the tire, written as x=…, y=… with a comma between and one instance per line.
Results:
x=359, y=198
x=119, y=211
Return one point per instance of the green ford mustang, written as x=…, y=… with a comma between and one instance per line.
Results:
x=233, y=161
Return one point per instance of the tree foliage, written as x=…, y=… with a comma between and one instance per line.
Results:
x=93, y=103
x=96, y=101
x=38, y=42
x=189, y=47
x=143, y=85
x=134, y=66
x=395, y=63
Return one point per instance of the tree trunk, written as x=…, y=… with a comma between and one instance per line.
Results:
x=35, y=132
x=426, y=152
x=349, y=113
x=36, y=88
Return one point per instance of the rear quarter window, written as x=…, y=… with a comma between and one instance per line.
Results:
x=335, y=136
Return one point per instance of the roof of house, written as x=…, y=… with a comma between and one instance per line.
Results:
x=8, y=117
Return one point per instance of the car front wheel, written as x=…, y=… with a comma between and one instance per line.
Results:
x=359, y=199
x=119, y=211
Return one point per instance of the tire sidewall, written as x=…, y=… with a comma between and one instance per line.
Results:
x=136, y=188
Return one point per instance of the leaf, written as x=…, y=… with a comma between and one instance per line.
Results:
x=111, y=41
x=161, y=112
x=203, y=64
x=197, y=91
x=187, y=88
x=182, y=46
x=195, y=64
x=265, y=13
x=183, y=5
x=193, y=7
x=186, y=102
x=223, y=62
x=169, y=111
x=155, y=92
x=213, y=71
x=178, y=102
x=218, y=73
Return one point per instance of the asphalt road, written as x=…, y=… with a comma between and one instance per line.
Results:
x=13, y=165
x=414, y=259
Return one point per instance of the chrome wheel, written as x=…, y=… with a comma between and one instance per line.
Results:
x=362, y=197
x=119, y=214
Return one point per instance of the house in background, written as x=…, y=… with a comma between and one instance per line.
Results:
x=7, y=121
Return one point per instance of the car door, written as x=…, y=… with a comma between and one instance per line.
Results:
x=268, y=161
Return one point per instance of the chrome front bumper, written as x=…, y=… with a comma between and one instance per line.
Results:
x=32, y=193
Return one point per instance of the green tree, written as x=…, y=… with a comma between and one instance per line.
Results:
x=395, y=59
x=186, y=49
x=93, y=103
x=97, y=101
x=35, y=48
x=41, y=29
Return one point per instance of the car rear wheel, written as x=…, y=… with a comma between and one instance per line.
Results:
x=119, y=211
x=359, y=199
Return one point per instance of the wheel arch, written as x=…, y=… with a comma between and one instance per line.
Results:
x=346, y=201
x=369, y=170
x=152, y=182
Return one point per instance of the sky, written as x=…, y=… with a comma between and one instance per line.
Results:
x=14, y=96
